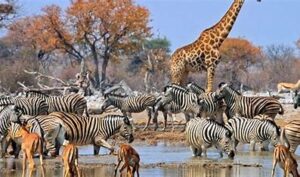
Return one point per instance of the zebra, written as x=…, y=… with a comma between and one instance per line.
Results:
x=129, y=104
x=209, y=107
x=255, y=130
x=290, y=135
x=166, y=109
x=45, y=127
x=187, y=101
x=29, y=106
x=72, y=103
x=195, y=88
x=83, y=130
x=4, y=127
x=247, y=107
x=204, y=133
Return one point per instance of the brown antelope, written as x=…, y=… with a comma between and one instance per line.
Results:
x=284, y=86
x=70, y=160
x=31, y=143
x=286, y=161
x=130, y=157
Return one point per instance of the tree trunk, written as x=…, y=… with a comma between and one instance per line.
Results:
x=147, y=81
x=103, y=72
x=96, y=80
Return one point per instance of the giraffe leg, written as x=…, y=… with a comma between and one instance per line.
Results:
x=210, y=78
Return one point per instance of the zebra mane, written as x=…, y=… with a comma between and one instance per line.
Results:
x=274, y=124
x=222, y=84
x=114, y=95
x=6, y=100
x=36, y=92
x=177, y=87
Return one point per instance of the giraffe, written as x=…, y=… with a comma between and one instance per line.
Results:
x=203, y=54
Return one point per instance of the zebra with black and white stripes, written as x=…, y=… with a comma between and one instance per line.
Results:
x=72, y=103
x=247, y=107
x=254, y=131
x=5, y=123
x=129, y=104
x=205, y=133
x=290, y=135
x=82, y=130
x=29, y=106
x=167, y=109
x=209, y=107
x=47, y=128
x=187, y=101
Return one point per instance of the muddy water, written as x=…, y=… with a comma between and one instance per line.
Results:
x=160, y=161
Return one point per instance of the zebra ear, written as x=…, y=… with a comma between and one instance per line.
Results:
x=126, y=120
x=200, y=101
x=222, y=85
x=105, y=95
x=228, y=134
x=165, y=88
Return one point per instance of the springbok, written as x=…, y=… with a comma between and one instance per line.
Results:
x=31, y=143
x=70, y=160
x=131, y=158
x=286, y=161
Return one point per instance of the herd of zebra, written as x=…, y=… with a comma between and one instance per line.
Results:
x=218, y=119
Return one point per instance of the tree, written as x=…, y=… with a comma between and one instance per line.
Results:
x=238, y=55
x=96, y=29
x=152, y=61
x=7, y=12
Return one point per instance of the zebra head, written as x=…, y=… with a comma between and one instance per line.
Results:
x=111, y=100
x=274, y=133
x=226, y=143
x=126, y=130
x=16, y=115
x=225, y=90
x=192, y=87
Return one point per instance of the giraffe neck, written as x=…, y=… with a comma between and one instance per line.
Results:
x=219, y=32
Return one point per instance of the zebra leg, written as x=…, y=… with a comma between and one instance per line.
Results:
x=252, y=145
x=101, y=142
x=96, y=150
x=204, y=150
x=264, y=146
x=131, y=120
x=149, y=119
x=187, y=119
x=194, y=151
x=4, y=145
x=172, y=120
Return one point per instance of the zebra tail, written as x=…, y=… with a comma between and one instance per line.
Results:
x=283, y=139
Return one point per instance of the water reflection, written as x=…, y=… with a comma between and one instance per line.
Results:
x=149, y=154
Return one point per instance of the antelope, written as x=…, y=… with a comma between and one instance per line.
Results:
x=284, y=86
x=130, y=157
x=31, y=143
x=70, y=160
x=286, y=161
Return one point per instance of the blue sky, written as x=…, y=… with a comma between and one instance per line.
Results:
x=181, y=21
